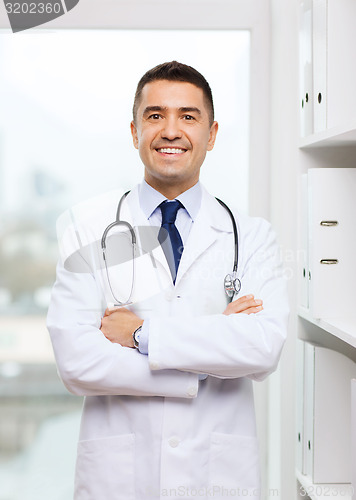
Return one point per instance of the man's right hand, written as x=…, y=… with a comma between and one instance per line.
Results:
x=246, y=304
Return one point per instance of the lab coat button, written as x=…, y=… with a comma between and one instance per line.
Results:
x=192, y=391
x=174, y=442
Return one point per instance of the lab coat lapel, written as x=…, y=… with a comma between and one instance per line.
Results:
x=211, y=220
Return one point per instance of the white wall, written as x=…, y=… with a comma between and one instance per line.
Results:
x=284, y=183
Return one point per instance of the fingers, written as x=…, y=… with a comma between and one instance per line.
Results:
x=252, y=310
x=103, y=326
x=106, y=319
x=246, y=304
x=111, y=309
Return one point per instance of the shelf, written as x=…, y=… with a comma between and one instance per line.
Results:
x=323, y=491
x=342, y=328
x=338, y=136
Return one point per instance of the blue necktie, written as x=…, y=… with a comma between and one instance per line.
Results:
x=172, y=242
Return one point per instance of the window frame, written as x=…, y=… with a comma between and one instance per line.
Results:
x=252, y=15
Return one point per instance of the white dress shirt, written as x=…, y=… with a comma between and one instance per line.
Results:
x=150, y=199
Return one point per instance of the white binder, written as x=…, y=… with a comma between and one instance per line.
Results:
x=308, y=436
x=303, y=266
x=328, y=415
x=306, y=68
x=319, y=64
x=341, y=77
x=332, y=241
x=300, y=407
x=327, y=41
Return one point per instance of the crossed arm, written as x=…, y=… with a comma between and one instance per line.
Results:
x=90, y=349
x=118, y=324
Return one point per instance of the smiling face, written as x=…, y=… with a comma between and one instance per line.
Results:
x=172, y=133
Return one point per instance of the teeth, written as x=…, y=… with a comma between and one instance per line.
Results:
x=170, y=150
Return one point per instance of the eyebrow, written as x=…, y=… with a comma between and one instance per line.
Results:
x=184, y=109
x=190, y=109
x=150, y=109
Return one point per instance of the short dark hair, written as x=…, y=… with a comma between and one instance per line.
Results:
x=175, y=72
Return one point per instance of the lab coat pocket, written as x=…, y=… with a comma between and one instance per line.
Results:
x=234, y=465
x=105, y=468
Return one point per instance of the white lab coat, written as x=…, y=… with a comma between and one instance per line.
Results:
x=151, y=428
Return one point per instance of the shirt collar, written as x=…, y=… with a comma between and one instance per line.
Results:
x=150, y=199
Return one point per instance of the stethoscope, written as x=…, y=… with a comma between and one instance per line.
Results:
x=232, y=283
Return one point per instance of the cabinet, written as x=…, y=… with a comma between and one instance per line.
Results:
x=326, y=353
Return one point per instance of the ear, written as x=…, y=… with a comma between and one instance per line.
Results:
x=134, y=134
x=212, y=135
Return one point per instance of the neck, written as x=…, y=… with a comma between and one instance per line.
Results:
x=171, y=191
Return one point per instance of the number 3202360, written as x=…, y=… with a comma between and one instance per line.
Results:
x=322, y=491
x=33, y=8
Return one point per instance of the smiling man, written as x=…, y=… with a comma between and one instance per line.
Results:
x=169, y=406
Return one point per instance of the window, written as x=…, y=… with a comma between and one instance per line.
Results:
x=65, y=101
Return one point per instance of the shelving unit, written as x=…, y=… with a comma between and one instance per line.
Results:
x=343, y=328
x=338, y=136
x=322, y=491
x=328, y=139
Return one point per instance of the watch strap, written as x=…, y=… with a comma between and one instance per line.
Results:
x=136, y=337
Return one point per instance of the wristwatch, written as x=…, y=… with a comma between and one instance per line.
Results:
x=136, y=336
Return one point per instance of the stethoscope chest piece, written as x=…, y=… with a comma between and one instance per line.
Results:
x=232, y=284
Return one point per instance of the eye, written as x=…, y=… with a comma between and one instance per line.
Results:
x=154, y=116
x=188, y=117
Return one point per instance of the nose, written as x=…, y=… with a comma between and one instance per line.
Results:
x=171, y=129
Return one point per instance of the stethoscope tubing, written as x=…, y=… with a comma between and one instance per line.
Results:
x=236, y=237
x=232, y=284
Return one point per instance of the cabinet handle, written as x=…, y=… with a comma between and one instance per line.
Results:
x=329, y=223
x=329, y=261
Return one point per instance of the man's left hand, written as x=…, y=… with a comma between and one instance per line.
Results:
x=118, y=326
